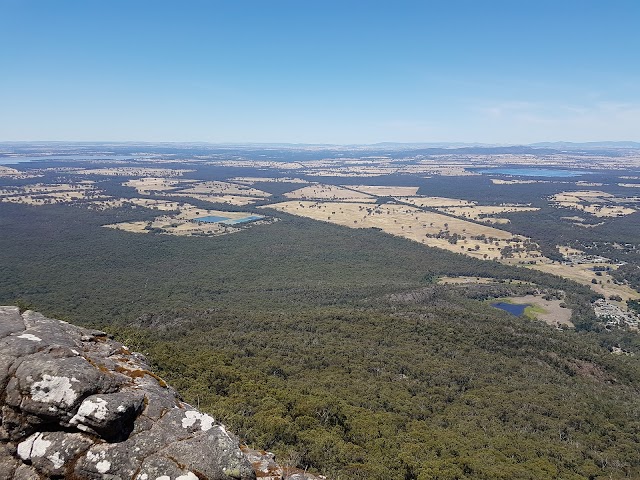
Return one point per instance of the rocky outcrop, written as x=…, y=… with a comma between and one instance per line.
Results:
x=266, y=468
x=76, y=404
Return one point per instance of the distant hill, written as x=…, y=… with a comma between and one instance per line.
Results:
x=587, y=145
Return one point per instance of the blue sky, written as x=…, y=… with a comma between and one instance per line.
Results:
x=308, y=71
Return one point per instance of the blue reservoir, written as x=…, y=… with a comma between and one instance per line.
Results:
x=513, y=308
x=211, y=219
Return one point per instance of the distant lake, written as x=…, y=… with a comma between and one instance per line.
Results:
x=513, y=308
x=45, y=158
x=535, y=172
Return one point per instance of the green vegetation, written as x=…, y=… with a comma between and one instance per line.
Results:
x=532, y=310
x=634, y=305
x=61, y=260
x=336, y=346
x=446, y=389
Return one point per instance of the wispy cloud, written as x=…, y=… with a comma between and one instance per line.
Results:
x=533, y=121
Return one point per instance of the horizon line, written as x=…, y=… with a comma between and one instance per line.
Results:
x=325, y=144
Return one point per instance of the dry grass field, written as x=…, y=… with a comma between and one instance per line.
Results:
x=155, y=184
x=252, y=180
x=223, y=188
x=320, y=191
x=8, y=172
x=351, y=172
x=107, y=204
x=565, y=250
x=455, y=225
x=161, y=205
x=70, y=196
x=215, y=191
x=478, y=280
x=41, y=194
x=582, y=196
x=580, y=222
x=171, y=226
x=605, y=211
x=480, y=212
x=434, y=202
x=32, y=200
x=429, y=168
x=428, y=228
x=466, y=209
x=581, y=270
x=466, y=281
x=573, y=219
x=183, y=222
x=495, y=221
x=227, y=199
x=386, y=191
x=134, y=227
x=594, y=202
x=38, y=189
x=584, y=274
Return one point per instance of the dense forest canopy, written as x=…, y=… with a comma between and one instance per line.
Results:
x=336, y=347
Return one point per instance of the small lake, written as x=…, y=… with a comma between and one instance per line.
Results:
x=534, y=172
x=516, y=309
x=211, y=219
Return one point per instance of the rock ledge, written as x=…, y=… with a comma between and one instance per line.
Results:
x=76, y=404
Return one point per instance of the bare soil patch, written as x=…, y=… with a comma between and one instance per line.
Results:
x=549, y=311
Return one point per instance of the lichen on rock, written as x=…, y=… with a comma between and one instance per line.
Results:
x=69, y=410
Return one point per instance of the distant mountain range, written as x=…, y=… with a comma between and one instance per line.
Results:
x=571, y=145
x=302, y=151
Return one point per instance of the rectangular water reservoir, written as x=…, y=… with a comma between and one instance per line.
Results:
x=250, y=218
x=211, y=219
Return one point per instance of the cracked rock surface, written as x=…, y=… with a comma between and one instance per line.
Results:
x=76, y=404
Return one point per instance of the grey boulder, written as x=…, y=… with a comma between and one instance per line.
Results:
x=76, y=404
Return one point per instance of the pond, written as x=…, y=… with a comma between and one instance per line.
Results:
x=516, y=309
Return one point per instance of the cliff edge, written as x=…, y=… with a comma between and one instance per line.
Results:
x=76, y=404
